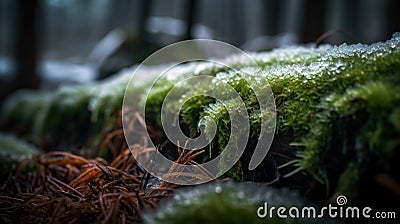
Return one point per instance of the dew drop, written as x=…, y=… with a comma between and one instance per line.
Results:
x=218, y=189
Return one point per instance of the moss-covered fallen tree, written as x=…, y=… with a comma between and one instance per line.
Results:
x=338, y=114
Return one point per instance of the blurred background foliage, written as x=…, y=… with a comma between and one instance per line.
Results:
x=48, y=43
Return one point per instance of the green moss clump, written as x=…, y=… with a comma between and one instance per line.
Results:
x=227, y=202
x=68, y=116
x=348, y=179
x=13, y=150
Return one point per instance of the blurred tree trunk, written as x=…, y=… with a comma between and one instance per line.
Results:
x=26, y=44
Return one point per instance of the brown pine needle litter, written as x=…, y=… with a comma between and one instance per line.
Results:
x=69, y=188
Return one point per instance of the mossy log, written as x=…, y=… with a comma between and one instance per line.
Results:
x=338, y=114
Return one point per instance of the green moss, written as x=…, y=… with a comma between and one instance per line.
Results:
x=349, y=178
x=13, y=150
x=69, y=115
x=227, y=203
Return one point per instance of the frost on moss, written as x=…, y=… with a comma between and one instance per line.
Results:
x=339, y=103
